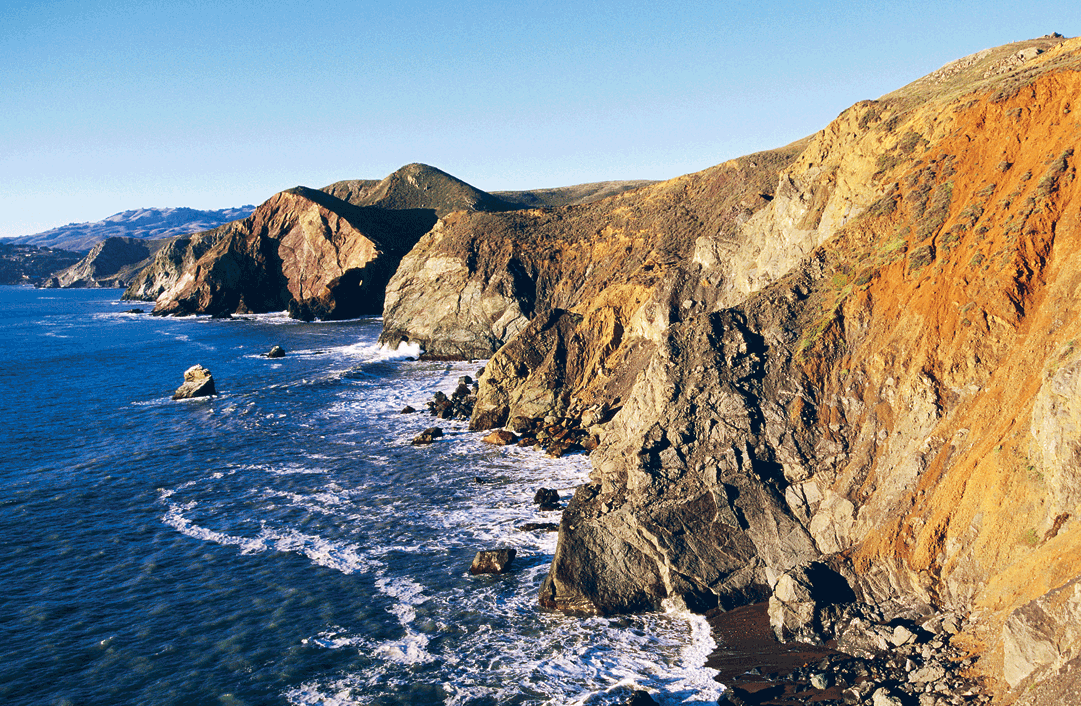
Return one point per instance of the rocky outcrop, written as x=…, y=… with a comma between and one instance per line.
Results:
x=493, y=561
x=322, y=254
x=114, y=262
x=303, y=250
x=857, y=353
x=170, y=263
x=477, y=279
x=198, y=382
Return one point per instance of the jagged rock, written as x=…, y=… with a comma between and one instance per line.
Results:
x=198, y=382
x=500, y=437
x=641, y=698
x=407, y=410
x=546, y=498
x=1043, y=635
x=902, y=636
x=427, y=436
x=495, y=561
x=276, y=352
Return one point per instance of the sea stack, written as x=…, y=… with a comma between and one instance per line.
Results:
x=198, y=382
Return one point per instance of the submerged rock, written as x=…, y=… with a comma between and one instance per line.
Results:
x=276, y=352
x=494, y=561
x=198, y=382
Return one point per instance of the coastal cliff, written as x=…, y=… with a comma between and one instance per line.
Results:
x=849, y=363
x=303, y=249
x=114, y=262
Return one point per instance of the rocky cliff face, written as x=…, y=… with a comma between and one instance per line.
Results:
x=326, y=253
x=303, y=250
x=114, y=262
x=170, y=262
x=855, y=359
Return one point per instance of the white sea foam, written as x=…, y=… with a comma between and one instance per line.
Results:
x=475, y=637
x=345, y=557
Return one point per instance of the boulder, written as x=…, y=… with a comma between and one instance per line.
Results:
x=500, y=437
x=547, y=498
x=407, y=410
x=198, y=382
x=427, y=436
x=493, y=561
x=276, y=352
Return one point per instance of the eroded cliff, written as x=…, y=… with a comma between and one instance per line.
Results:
x=858, y=354
x=304, y=250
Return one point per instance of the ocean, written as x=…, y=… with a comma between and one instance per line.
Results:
x=281, y=542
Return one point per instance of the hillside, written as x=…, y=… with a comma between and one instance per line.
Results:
x=114, y=262
x=848, y=364
x=30, y=264
x=569, y=195
x=146, y=223
x=417, y=186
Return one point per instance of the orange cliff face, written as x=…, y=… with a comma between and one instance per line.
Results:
x=951, y=360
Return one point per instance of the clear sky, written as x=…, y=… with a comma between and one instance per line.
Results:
x=113, y=105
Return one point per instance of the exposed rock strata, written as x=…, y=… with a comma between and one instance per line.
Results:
x=170, y=262
x=868, y=365
x=304, y=250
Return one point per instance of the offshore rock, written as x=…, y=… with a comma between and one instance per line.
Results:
x=495, y=561
x=427, y=436
x=198, y=382
x=276, y=352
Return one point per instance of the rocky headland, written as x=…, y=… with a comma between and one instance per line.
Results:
x=839, y=378
x=114, y=262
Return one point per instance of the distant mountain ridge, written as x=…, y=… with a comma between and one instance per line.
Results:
x=144, y=223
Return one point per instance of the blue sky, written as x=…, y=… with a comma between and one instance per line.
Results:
x=108, y=106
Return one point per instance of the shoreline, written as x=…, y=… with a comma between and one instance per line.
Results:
x=757, y=669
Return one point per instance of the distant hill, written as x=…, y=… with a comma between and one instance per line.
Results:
x=569, y=195
x=145, y=223
x=114, y=262
x=418, y=186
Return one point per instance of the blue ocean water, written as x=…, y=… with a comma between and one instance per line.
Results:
x=282, y=542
